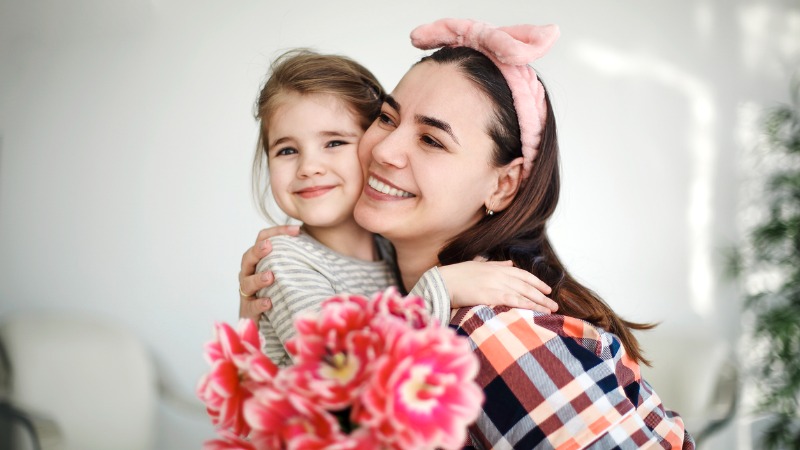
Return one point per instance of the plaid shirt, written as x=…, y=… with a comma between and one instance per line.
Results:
x=556, y=382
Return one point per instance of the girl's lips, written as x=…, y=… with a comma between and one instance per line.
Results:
x=314, y=191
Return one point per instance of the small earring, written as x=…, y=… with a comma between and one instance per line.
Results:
x=489, y=212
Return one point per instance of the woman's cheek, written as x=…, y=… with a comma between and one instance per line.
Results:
x=366, y=144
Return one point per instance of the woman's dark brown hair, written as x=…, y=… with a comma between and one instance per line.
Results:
x=519, y=233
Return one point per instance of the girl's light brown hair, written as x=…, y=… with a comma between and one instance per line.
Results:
x=304, y=72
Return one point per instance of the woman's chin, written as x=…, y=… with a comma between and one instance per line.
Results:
x=380, y=220
x=369, y=218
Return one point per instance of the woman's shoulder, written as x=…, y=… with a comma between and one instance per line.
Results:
x=535, y=328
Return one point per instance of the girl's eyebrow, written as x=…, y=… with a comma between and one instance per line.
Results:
x=338, y=133
x=326, y=133
x=279, y=141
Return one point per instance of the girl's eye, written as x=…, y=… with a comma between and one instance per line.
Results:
x=335, y=144
x=427, y=140
x=286, y=151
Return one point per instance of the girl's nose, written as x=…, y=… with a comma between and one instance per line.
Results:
x=310, y=165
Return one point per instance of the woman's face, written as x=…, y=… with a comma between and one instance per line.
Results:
x=430, y=174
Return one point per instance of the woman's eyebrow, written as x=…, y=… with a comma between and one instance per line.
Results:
x=436, y=123
x=424, y=120
x=392, y=102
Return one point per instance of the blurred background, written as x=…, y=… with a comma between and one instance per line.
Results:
x=126, y=138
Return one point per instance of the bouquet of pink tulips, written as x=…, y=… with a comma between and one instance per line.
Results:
x=367, y=374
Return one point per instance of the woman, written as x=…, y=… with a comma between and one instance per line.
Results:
x=474, y=109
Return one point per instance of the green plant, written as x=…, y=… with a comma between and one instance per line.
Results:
x=768, y=263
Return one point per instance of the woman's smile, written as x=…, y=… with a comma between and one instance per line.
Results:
x=384, y=190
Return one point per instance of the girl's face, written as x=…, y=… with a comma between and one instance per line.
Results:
x=314, y=170
x=431, y=175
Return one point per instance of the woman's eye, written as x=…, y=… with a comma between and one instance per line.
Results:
x=385, y=119
x=286, y=151
x=427, y=140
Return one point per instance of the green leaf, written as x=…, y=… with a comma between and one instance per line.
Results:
x=772, y=248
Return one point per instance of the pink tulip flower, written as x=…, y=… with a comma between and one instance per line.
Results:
x=282, y=419
x=228, y=441
x=237, y=365
x=423, y=394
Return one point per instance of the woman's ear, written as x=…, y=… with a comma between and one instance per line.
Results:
x=509, y=178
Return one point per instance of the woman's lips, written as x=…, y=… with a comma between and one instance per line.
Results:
x=385, y=190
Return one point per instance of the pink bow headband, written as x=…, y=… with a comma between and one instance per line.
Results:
x=510, y=49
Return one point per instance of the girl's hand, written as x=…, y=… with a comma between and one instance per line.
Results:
x=250, y=282
x=496, y=283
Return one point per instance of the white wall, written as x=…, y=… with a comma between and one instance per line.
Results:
x=126, y=137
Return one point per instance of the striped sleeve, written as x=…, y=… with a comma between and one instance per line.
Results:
x=432, y=289
x=300, y=285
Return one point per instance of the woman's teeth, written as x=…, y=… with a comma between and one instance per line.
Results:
x=384, y=189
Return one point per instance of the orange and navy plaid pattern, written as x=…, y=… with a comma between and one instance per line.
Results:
x=556, y=382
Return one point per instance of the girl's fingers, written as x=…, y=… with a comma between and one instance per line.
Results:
x=523, y=288
x=518, y=301
x=538, y=298
x=500, y=263
x=528, y=277
x=532, y=280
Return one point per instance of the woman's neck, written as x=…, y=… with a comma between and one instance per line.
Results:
x=414, y=259
x=349, y=239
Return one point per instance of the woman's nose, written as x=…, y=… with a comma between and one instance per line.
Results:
x=390, y=149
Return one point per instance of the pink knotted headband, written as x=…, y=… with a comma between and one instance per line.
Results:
x=510, y=49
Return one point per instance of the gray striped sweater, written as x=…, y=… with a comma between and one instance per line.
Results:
x=307, y=272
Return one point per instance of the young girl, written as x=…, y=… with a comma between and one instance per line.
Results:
x=313, y=110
